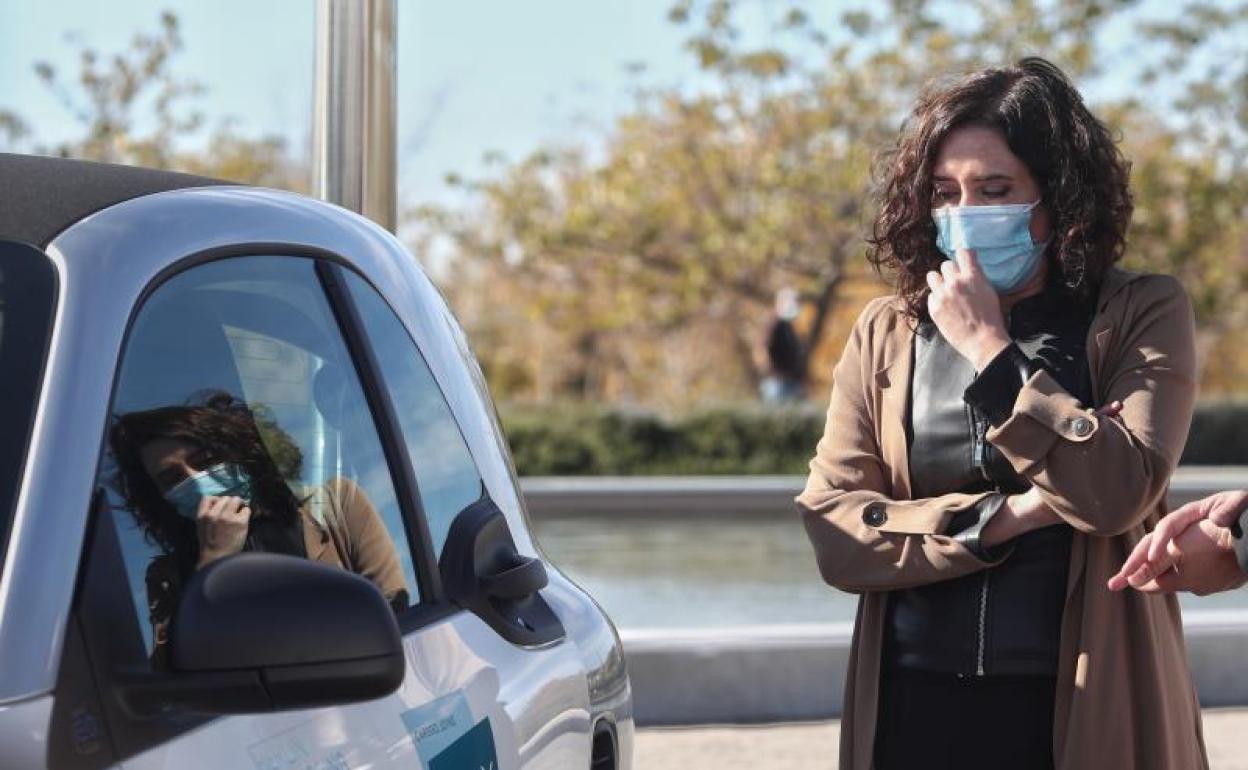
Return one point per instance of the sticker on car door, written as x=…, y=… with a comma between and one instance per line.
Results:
x=447, y=738
x=474, y=750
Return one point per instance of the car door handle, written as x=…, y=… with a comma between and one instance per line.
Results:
x=524, y=579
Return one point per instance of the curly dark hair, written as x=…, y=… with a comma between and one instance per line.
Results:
x=1072, y=155
x=233, y=433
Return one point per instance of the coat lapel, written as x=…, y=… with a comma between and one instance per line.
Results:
x=1101, y=332
x=1100, y=337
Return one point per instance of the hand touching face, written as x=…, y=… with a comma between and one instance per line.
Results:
x=221, y=524
x=221, y=521
x=967, y=310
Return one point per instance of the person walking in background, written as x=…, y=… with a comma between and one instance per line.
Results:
x=1200, y=548
x=786, y=355
x=1001, y=430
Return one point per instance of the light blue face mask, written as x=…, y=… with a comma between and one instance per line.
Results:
x=222, y=480
x=1000, y=236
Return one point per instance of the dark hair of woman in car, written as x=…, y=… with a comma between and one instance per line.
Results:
x=228, y=431
x=1070, y=153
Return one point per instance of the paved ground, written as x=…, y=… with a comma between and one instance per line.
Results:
x=813, y=746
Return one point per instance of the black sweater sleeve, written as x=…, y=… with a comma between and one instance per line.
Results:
x=996, y=388
x=1241, y=542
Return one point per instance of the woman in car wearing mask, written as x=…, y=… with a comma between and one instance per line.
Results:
x=1001, y=431
x=202, y=484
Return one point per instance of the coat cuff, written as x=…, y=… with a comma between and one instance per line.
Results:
x=959, y=516
x=919, y=517
x=967, y=526
x=996, y=388
x=1044, y=413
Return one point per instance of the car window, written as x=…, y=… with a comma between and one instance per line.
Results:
x=27, y=300
x=239, y=423
x=445, y=472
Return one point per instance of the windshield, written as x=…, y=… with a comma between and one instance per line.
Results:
x=27, y=299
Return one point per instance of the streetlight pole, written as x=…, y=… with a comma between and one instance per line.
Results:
x=353, y=137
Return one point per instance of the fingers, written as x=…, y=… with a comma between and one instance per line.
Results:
x=937, y=280
x=1112, y=409
x=224, y=509
x=1137, y=559
x=1171, y=526
x=1226, y=508
x=1155, y=564
x=967, y=261
x=1139, y=571
x=236, y=509
x=1166, y=583
x=212, y=508
x=1150, y=570
x=964, y=265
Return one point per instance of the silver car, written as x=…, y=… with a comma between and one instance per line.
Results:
x=256, y=507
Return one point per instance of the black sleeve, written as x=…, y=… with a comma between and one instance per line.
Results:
x=996, y=388
x=967, y=525
x=1241, y=542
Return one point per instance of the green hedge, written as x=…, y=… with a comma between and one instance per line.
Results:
x=1219, y=434
x=745, y=440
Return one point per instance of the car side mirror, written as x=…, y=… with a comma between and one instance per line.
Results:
x=261, y=632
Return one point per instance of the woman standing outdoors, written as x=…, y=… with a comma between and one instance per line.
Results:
x=1001, y=432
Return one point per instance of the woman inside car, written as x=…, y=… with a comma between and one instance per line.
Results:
x=210, y=480
x=1001, y=431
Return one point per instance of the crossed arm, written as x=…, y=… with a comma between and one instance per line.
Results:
x=865, y=540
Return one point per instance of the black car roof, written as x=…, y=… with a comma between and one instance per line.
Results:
x=41, y=196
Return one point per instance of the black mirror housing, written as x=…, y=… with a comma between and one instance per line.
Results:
x=483, y=573
x=259, y=632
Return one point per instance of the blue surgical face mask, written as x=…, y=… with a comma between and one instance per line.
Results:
x=222, y=480
x=1000, y=236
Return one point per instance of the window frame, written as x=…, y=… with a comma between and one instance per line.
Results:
x=21, y=395
x=433, y=604
x=111, y=661
x=423, y=358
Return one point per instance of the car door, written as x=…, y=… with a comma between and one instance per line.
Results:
x=293, y=373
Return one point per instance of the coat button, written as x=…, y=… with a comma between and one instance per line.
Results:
x=1082, y=426
x=874, y=515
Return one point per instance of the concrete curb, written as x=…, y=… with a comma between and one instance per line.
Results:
x=793, y=673
x=637, y=497
x=737, y=675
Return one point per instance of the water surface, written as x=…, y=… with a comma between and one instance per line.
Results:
x=699, y=572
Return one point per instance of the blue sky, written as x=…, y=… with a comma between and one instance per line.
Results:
x=474, y=75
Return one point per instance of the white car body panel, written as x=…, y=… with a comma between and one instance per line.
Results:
x=542, y=703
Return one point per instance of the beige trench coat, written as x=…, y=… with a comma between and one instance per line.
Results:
x=1124, y=694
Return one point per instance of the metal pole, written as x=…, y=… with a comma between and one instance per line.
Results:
x=353, y=135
